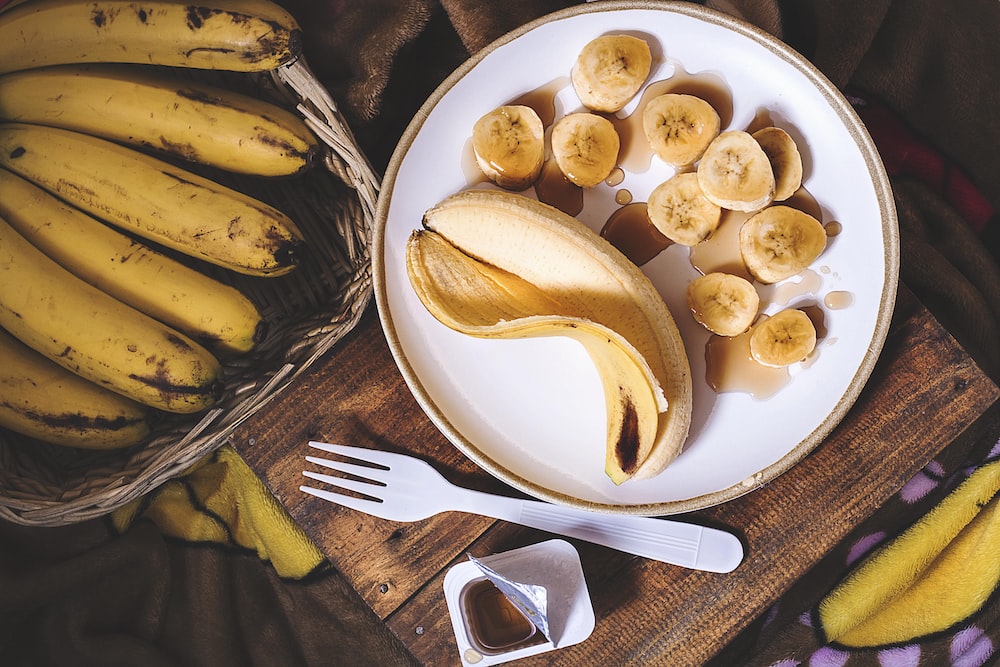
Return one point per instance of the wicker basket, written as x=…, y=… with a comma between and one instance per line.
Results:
x=307, y=312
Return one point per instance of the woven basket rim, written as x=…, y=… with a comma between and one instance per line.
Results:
x=39, y=498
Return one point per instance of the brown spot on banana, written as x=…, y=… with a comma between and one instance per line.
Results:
x=627, y=447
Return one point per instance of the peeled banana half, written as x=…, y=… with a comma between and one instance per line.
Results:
x=154, y=199
x=149, y=108
x=237, y=35
x=498, y=264
x=42, y=400
x=97, y=336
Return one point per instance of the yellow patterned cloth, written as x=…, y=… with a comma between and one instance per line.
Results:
x=222, y=501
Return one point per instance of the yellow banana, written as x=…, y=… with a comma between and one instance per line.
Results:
x=42, y=400
x=98, y=337
x=237, y=35
x=211, y=312
x=580, y=276
x=153, y=198
x=137, y=105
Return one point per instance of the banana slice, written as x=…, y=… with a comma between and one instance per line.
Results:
x=681, y=211
x=573, y=273
x=610, y=70
x=509, y=144
x=783, y=339
x=779, y=242
x=723, y=303
x=679, y=127
x=786, y=161
x=734, y=172
x=585, y=147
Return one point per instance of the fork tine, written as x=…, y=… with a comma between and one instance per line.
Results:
x=350, y=502
x=366, y=472
x=361, y=453
x=366, y=488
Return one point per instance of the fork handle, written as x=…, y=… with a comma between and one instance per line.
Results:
x=667, y=540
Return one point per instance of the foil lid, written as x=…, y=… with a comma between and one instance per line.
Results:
x=531, y=599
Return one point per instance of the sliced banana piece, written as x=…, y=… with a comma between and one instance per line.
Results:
x=509, y=144
x=681, y=211
x=780, y=242
x=610, y=70
x=585, y=147
x=590, y=280
x=679, y=127
x=734, y=172
x=786, y=161
x=723, y=303
x=784, y=338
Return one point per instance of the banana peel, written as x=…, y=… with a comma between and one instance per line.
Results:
x=497, y=264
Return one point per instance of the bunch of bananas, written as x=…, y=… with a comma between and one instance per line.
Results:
x=102, y=321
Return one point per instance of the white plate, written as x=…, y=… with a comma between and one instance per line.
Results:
x=531, y=412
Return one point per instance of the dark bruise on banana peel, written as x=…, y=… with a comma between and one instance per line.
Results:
x=627, y=446
x=279, y=40
x=162, y=382
x=78, y=422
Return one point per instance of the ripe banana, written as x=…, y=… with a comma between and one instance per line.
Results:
x=153, y=198
x=192, y=121
x=679, y=127
x=215, y=314
x=509, y=145
x=610, y=70
x=779, y=242
x=98, y=337
x=586, y=278
x=42, y=400
x=723, y=303
x=783, y=339
x=237, y=35
x=481, y=300
x=585, y=147
x=734, y=172
x=786, y=161
x=681, y=211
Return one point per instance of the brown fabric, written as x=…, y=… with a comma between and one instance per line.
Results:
x=82, y=595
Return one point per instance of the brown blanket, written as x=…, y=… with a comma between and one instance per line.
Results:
x=926, y=78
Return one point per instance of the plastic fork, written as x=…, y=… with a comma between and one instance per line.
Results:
x=403, y=488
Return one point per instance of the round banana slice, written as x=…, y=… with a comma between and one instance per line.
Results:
x=734, y=172
x=610, y=70
x=509, y=143
x=723, y=303
x=783, y=339
x=779, y=242
x=786, y=162
x=585, y=147
x=679, y=127
x=681, y=211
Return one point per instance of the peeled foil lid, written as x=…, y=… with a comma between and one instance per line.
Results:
x=531, y=599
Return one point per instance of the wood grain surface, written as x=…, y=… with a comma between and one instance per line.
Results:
x=924, y=393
